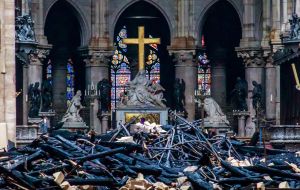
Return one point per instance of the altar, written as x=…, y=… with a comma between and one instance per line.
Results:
x=151, y=114
x=144, y=98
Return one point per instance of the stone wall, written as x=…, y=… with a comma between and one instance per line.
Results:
x=7, y=74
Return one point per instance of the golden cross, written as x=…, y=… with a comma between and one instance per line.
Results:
x=141, y=41
x=296, y=77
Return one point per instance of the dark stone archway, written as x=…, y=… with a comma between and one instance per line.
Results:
x=144, y=14
x=63, y=31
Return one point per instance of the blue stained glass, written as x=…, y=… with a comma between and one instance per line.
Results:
x=70, y=81
x=204, y=74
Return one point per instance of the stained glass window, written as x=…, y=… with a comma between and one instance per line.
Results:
x=70, y=81
x=204, y=74
x=49, y=70
x=153, y=63
x=120, y=71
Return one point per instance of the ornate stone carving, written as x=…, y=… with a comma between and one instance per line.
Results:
x=283, y=55
x=25, y=29
x=143, y=93
x=181, y=57
x=294, y=27
x=38, y=55
x=251, y=58
x=72, y=113
x=214, y=113
x=97, y=58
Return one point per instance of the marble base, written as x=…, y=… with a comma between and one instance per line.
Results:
x=219, y=128
x=75, y=126
x=26, y=134
x=47, y=114
x=157, y=115
x=34, y=121
x=285, y=136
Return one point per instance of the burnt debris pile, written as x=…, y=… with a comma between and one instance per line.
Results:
x=180, y=156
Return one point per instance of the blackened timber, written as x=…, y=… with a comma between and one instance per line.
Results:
x=275, y=172
x=198, y=182
x=234, y=170
x=56, y=152
x=69, y=143
x=15, y=176
x=119, y=156
x=101, y=154
x=35, y=156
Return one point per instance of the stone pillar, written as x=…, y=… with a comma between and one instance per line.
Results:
x=278, y=87
x=241, y=126
x=7, y=74
x=186, y=69
x=270, y=93
x=96, y=69
x=38, y=16
x=254, y=71
x=59, y=74
x=25, y=94
x=218, y=77
x=35, y=67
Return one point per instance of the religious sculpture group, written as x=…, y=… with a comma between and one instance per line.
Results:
x=144, y=93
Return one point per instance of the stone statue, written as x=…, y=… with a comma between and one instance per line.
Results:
x=46, y=95
x=34, y=99
x=294, y=26
x=179, y=88
x=104, y=87
x=214, y=112
x=239, y=94
x=72, y=113
x=24, y=29
x=257, y=95
x=143, y=92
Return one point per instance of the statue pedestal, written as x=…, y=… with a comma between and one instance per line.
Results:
x=241, y=122
x=220, y=128
x=74, y=126
x=151, y=114
x=104, y=118
x=285, y=136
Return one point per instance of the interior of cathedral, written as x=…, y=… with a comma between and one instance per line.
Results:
x=197, y=82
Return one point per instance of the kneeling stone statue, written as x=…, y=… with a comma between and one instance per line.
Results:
x=214, y=113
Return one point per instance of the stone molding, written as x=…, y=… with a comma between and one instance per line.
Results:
x=252, y=57
x=183, y=57
x=96, y=57
x=38, y=55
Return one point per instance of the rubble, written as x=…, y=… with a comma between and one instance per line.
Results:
x=182, y=158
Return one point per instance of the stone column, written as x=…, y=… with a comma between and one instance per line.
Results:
x=254, y=71
x=35, y=66
x=270, y=93
x=186, y=69
x=25, y=94
x=218, y=77
x=96, y=69
x=59, y=74
x=7, y=74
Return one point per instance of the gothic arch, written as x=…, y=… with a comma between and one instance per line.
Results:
x=79, y=14
x=201, y=18
x=170, y=20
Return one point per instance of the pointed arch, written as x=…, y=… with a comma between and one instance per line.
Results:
x=170, y=20
x=79, y=14
x=201, y=18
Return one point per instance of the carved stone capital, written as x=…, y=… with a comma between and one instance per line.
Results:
x=38, y=55
x=183, y=57
x=93, y=57
x=251, y=57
